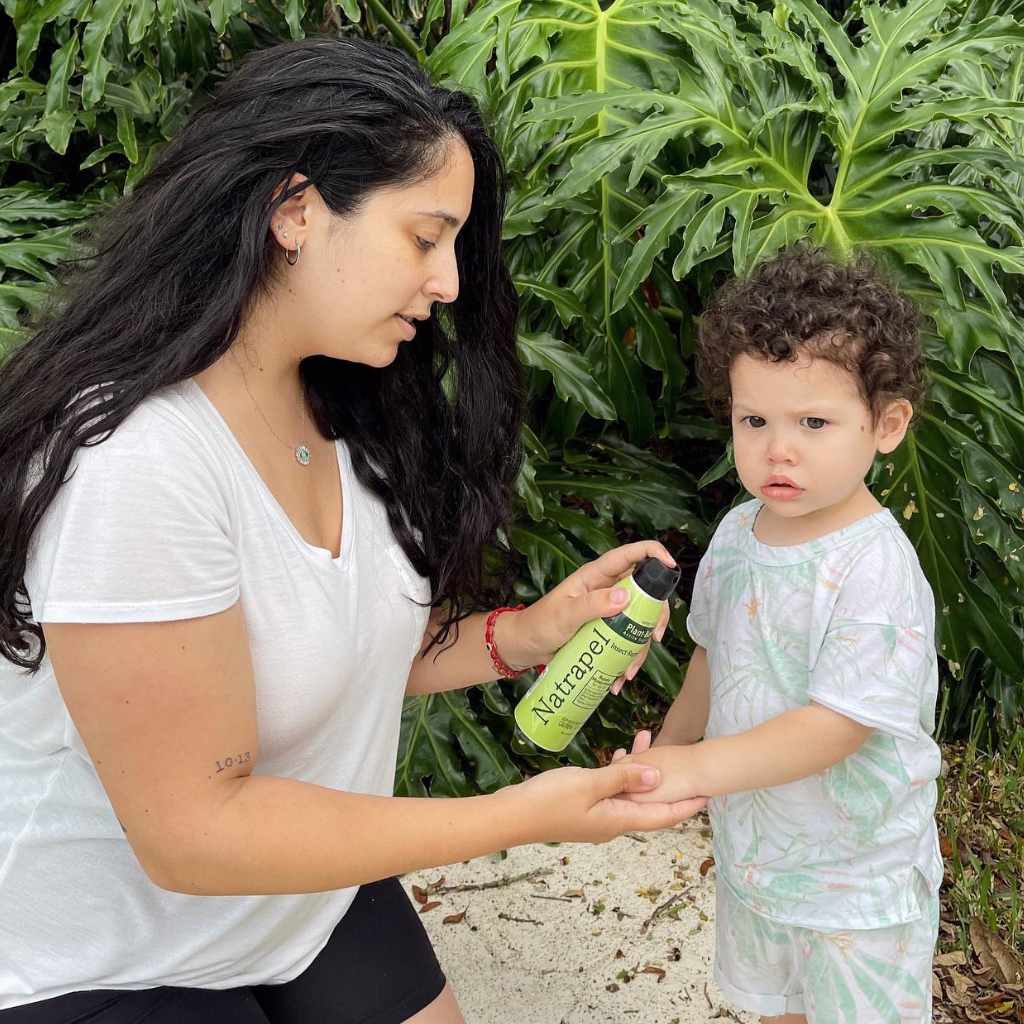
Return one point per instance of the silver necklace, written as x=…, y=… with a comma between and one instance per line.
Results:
x=302, y=454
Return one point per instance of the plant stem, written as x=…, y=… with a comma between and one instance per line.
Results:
x=401, y=37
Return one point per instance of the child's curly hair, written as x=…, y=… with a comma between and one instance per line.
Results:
x=805, y=302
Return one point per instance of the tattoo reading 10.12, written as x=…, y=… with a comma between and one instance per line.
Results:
x=231, y=762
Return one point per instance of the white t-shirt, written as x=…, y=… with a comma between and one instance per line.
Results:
x=168, y=519
x=847, y=621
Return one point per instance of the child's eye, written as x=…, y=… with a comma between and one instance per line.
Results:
x=753, y=421
x=814, y=422
x=424, y=243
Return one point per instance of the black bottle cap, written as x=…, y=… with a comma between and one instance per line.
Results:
x=654, y=577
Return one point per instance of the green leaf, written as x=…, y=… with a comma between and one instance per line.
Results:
x=126, y=135
x=142, y=15
x=62, y=66
x=566, y=304
x=491, y=766
x=30, y=18
x=920, y=482
x=644, y=498
x=428, y=761
x=569, y=372
x=549, y=554
x=293, y=16
x=586, y=530
x=101, y=20
x=660, y=222
x=35, y=254
x=222, y=11
x=24, y=204
x=662, y=671
x=58, y=127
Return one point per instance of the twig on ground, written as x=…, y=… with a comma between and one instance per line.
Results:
x=518, y=920
x=498, y=883
x=662, y=910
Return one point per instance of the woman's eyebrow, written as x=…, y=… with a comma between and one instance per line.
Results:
x=450, y=219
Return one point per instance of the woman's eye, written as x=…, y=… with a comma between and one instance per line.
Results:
x=424, y=243
x=814, y=422
x=753, y=421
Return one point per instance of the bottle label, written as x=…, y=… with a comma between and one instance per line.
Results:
x=635, y=632
x=580, y=674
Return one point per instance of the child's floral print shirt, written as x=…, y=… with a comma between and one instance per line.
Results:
x=846, y=621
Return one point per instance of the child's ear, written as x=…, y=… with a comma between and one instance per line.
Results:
x=892, y=425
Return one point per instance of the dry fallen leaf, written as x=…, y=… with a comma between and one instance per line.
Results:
x=954, y=959
x=419, y=895
x=706, y=865
x=995, y=953
x=651, y=969
x=430, y=906
x=455, y=918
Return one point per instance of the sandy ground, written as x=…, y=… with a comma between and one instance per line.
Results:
x=566, y=934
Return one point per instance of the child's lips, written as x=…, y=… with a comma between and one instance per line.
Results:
x=781, y=488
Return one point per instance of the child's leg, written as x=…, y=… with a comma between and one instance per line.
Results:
x=789, y=1018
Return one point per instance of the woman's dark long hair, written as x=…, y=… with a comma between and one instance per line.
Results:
x=176, y=265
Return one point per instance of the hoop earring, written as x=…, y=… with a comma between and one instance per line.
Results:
x=292, y=255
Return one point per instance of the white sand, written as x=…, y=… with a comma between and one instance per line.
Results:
x=569, y=943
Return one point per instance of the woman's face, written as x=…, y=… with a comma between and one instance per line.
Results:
x=358, y=276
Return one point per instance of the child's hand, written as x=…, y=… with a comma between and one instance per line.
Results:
x=641, y=742
x=672, y=761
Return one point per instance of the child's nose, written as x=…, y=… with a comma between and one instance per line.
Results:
x=779, y=449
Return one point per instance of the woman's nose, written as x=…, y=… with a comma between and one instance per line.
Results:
x=444, y=285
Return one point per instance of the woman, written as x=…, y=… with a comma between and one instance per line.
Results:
x=270, y=428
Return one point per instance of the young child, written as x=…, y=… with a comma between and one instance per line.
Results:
x=814, y=678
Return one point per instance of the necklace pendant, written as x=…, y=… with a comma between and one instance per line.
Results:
x=302, y=455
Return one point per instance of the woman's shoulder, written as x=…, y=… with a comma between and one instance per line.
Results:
x=165, y=431
x=165, y=445
x=166, y=419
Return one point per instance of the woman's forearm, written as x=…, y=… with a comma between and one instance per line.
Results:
x=300, y=837
x=465, y=662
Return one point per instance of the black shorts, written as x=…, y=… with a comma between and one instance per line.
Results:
x=378, y=967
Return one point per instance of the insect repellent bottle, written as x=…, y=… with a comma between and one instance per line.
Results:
x=566, y=693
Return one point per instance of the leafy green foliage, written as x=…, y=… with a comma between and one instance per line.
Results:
x=653, y=147
x=660, y=142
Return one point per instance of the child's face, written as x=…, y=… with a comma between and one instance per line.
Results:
x=803, y=435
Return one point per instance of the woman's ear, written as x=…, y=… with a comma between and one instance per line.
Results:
x=892, y=425
x=290, y=224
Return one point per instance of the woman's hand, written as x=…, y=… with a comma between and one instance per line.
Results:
x=534, y=635
x=593, y=805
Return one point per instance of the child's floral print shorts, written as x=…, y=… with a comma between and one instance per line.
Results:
x=834, y=977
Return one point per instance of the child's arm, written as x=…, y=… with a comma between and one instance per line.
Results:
x=791, y=746
x=688, y=715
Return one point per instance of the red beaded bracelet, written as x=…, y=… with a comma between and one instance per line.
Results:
x=500, y=666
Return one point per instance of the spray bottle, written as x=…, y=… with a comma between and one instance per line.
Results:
x=576, y=680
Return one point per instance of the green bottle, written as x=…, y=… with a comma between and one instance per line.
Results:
x=566, y=693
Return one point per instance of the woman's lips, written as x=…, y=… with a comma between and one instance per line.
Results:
x=408, y=330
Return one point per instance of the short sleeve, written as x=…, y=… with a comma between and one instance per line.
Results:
x=877, y=662
x=139, y=532
x=698, y=622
